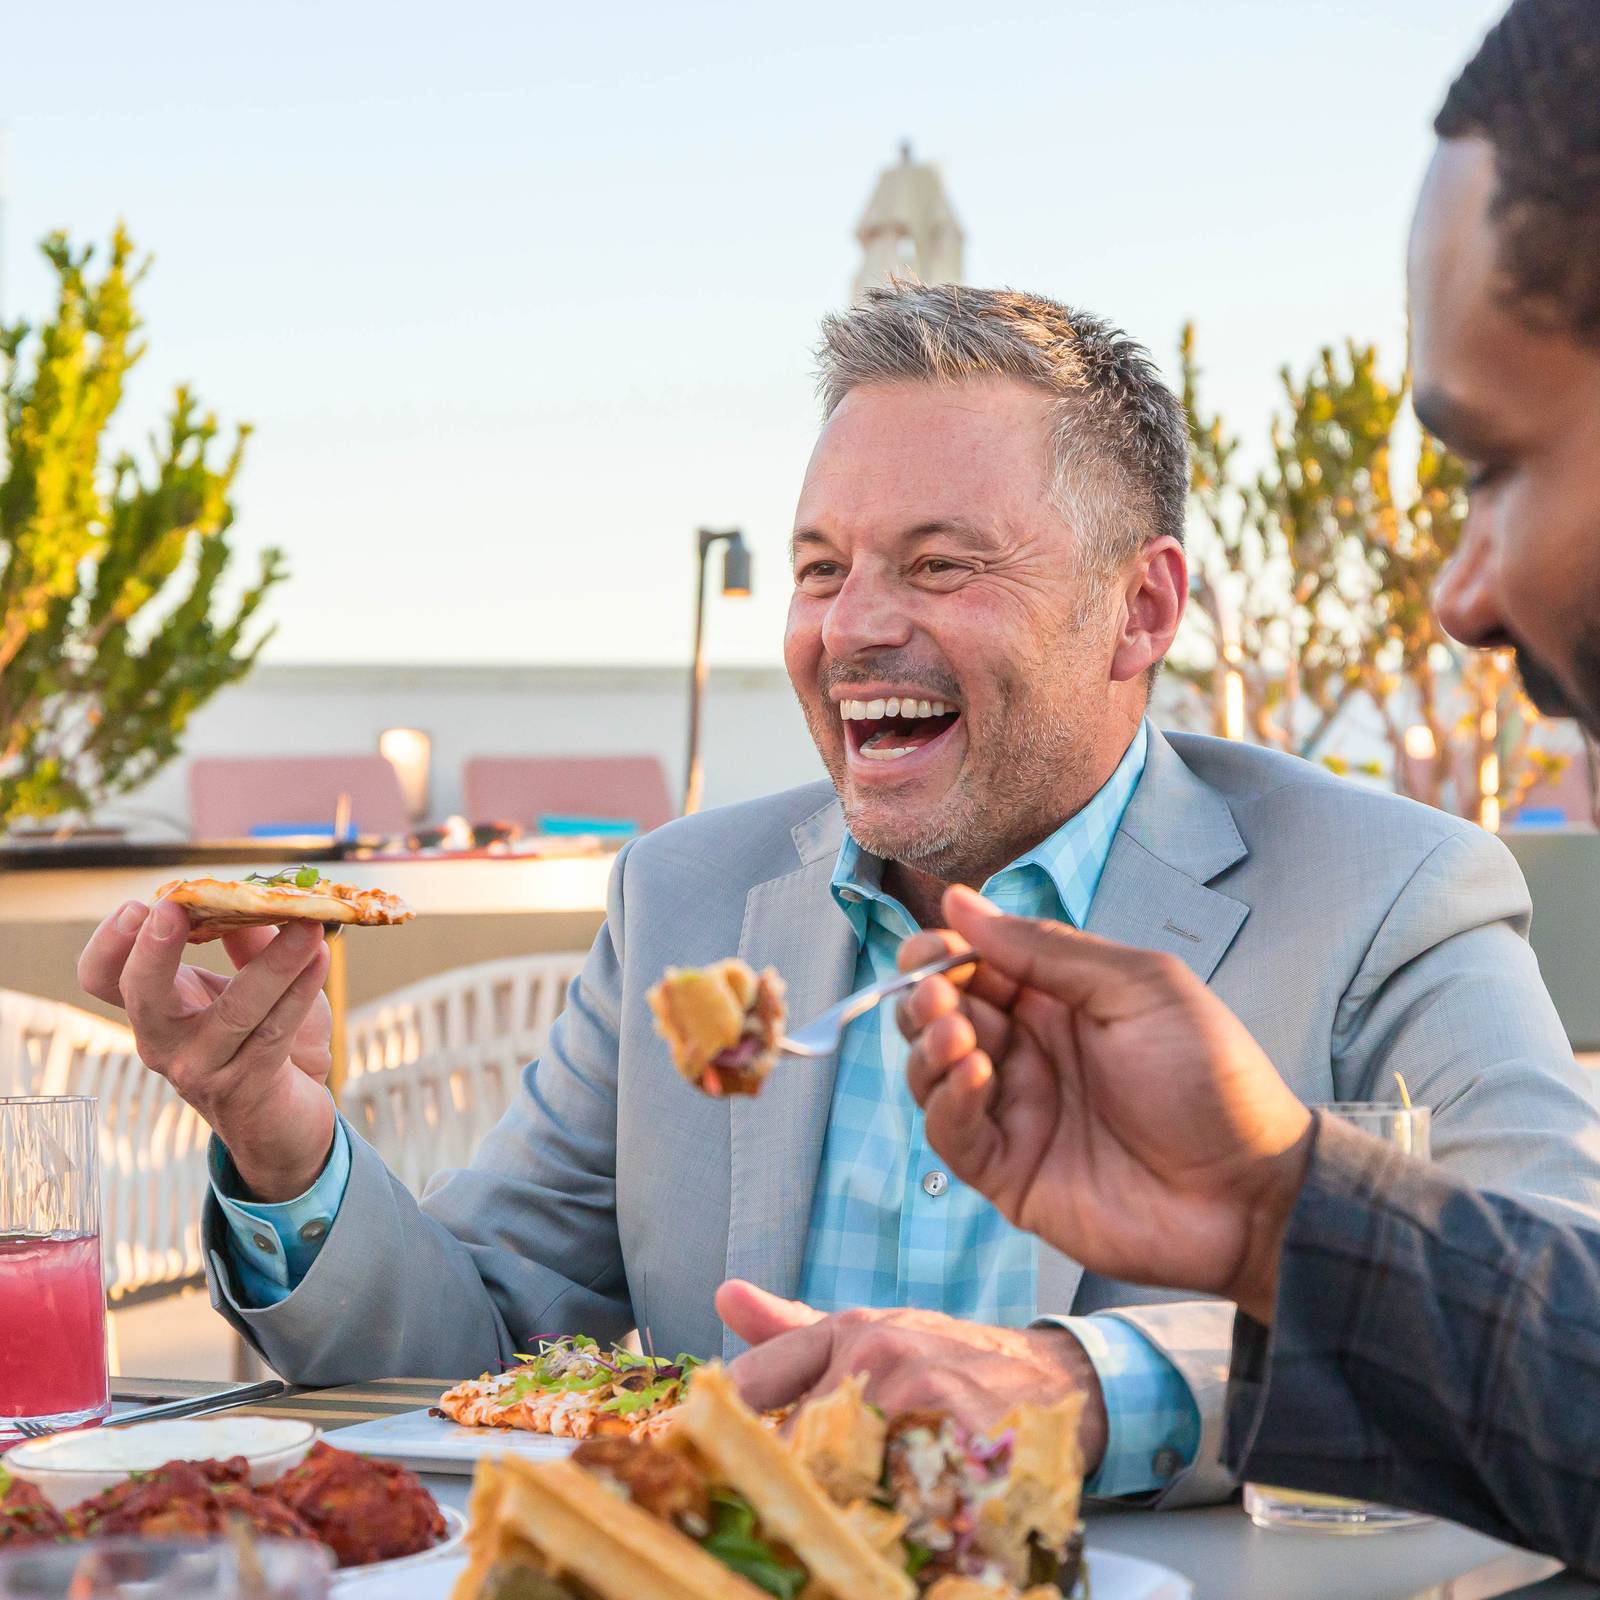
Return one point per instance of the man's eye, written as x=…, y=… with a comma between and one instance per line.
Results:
x=1481, y=478
x=817, y=569
x=938, y=567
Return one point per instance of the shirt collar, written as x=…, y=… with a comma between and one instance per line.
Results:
x=1072, y=859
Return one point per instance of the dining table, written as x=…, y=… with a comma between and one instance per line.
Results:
x=1222, y=1554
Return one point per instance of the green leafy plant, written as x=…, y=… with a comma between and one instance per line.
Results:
x=113, y=630
x=1312, y=586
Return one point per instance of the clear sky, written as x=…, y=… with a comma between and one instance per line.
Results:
x=516, y=293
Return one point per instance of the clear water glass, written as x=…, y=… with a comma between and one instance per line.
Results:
x=52, y=1295
x=152, y=1569
x=1408, y=1128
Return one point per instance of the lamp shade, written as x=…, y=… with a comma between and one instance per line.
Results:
x=736, y=567
x=409, y=751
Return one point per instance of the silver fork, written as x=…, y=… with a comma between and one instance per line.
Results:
x=821, y=1036
x=28, y=1430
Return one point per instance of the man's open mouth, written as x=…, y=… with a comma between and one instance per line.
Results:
x=895, y=727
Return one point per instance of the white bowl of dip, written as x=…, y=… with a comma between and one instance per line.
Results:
x=72, y=1467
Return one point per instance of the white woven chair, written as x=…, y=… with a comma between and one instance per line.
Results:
x=152, y=1146
x=434, y=1065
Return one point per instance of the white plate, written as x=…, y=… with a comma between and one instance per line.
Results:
x=68, y=1468
x=1111, y=1577
x=411, y=1575
x=1118, y=1577
x=436, y=1444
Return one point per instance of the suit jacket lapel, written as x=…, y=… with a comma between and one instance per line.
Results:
x=793, y=924
x=1176, y=835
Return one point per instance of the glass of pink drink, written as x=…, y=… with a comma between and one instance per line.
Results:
x=52, y=1297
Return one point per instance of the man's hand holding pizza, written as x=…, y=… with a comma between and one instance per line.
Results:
x=250, y=1053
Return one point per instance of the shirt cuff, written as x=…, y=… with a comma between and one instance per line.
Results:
x=272, y=1246
x=1153, y=1422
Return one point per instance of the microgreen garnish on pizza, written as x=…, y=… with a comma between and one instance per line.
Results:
x=262, y=900
x=575, y=1390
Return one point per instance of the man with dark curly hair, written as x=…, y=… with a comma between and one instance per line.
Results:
x=1505, y=299
x=1401, y=1336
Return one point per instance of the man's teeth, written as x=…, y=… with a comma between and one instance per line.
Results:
x=878, y=753
x=876, y=710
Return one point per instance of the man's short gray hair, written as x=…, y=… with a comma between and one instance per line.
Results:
x=1119, y=442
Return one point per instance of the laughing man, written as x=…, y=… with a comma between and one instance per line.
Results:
x=988, y=570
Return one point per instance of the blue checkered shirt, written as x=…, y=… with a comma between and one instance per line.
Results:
x=890, y=1228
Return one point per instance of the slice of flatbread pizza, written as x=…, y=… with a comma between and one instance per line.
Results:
x=302, y=894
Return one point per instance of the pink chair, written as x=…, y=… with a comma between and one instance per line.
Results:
x=230, y=795
x=525, y=788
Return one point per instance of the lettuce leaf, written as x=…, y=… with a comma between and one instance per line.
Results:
x=733, y=1540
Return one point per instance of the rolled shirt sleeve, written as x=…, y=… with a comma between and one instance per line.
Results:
x=1153, y=1421
x=271, y=1246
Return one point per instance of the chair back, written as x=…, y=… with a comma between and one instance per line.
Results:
x=525, y=788
x=230, y=795
x=153, y=1176
x=433, y=1066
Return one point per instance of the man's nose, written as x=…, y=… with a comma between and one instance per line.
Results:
x=864, y=615
x=1467, y=595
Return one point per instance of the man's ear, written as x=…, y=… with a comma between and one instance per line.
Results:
x=1155, y=589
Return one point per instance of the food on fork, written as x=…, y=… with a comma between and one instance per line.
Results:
x=850, y=1508
x=296, y=894
x=722, y=1024
x=575, y=1390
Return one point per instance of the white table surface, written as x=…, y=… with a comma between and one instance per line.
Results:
x=1226, y=1557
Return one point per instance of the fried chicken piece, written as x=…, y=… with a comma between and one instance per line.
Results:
x=662, y=1482
x=26, y=1517
x=187, y=1500
x=363, y=1510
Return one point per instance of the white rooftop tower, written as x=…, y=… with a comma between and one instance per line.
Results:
x=908, y=229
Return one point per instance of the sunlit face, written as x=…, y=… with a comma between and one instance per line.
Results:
x=1523, y=407
x=951, y=656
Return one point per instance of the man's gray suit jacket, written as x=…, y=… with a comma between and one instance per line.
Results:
x=1355, y=934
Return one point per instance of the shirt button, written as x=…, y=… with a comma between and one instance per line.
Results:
x=314, y=1230
x=1165, y=1463
x=265, y=1243
x=934, y=1184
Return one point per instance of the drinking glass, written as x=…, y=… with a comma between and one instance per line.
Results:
x=1406, y=1127
x=152, y=1569
x=52, y=1297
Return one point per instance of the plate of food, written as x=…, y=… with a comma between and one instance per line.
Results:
x=565, y=1390
x=271, y=1477
x=850, y=1504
